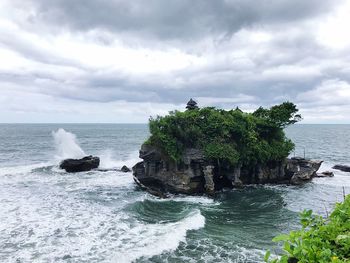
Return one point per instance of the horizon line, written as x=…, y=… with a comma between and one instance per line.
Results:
x=143, y=123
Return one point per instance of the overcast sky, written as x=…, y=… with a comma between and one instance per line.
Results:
x=122, y=61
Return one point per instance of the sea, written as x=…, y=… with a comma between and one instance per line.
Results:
x=48, y=215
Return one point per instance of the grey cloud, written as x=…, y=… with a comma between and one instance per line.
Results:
x=32, y=51
x=291, y=66
x=215, y=80
x=173, y=19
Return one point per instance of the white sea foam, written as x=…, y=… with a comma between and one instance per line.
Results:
x=66, y=145
x=153, y=239
x=106, y=160
x=112, y=179
x=109, y=162
x=249, y=254
x=188, y=199
x=340, y=178
x=326, y=167
x=337, y=180
x=22, y=169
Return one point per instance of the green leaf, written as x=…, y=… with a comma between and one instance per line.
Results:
x=267, y=256
x=280, y=238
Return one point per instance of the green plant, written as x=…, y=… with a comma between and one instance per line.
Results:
x=229, y=137
x=319, y=240
x=281, y=115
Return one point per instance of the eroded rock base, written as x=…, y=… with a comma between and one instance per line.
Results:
x=194, y=175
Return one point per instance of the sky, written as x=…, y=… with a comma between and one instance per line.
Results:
x=117, y=61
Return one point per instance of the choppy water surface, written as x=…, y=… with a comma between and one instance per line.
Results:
x=47, y=215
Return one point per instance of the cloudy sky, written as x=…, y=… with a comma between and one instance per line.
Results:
x=122, y=61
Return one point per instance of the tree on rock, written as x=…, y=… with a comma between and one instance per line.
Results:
x=280, y=115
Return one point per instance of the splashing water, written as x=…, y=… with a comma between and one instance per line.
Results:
x=109, y=162
x=66, y=145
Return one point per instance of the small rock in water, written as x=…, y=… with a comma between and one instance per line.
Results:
x=80, y=165
x=30, y=232
x=125, y=169
x=66, y=257
x=57, y=231
x=325, y=174
x=344, y=168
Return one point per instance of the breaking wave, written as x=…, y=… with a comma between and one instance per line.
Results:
x=153, y=239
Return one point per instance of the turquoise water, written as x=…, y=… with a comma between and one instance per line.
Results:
x=47, y=215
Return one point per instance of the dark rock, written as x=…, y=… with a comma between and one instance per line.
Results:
x=108, y=170
x=325, y=174
x=80, y=165
x=65, y=257
x=344, y=168
x=159, y=174
x=30, y=232
x=125, y=169
x=151, y=185
x=302, y=170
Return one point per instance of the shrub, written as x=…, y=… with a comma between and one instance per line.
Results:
x=319, y=240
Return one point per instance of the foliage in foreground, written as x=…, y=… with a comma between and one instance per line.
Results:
x=319, y=240
x=229, y=137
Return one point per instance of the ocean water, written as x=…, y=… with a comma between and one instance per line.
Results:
x=47, y=215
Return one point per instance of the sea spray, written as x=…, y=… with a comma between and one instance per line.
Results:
x=66, y=145
x=109, y=162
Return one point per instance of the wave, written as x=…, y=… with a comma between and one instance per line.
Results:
x=187, y=199
x=326, y=166
x=340, y=178
x=106, y=163
x=23, y=169
x=153, y=239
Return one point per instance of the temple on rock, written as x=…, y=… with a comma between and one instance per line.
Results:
x=191, y=105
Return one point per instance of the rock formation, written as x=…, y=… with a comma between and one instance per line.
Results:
x=80, y=165
x=301, y=170
x=344, y=168
x=125, y=169
x=325, y=174
x=159, y=174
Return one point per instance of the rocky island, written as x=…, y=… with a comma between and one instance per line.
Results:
x=203, y=150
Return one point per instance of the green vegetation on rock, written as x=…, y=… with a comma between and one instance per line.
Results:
x=226, y=136
x=319, y=240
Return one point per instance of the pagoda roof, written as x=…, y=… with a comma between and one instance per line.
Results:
x=191, y=102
